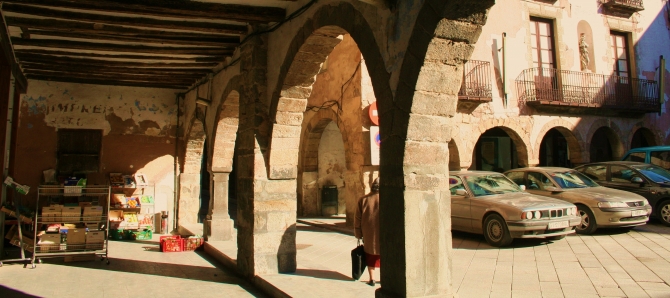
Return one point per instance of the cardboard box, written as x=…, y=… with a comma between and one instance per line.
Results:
x=76, y=236
x=71, y=214
x=51, y=214
x=92, y=213
x=49, y=243
x=116, y=215
x=95, y=240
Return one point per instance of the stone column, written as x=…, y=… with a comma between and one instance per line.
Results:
x=220, y=225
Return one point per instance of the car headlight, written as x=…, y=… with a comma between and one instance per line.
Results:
x=612, y=205
x=528, y=215
x=537, y=214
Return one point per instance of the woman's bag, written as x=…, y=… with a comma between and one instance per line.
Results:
x=358, y=261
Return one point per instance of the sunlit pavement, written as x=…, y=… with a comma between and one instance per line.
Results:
x=136, y=269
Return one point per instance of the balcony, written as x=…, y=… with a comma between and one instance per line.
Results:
x=626, y=6
x=476, y=86
x=559, y=92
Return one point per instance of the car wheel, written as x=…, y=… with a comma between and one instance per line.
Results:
x=496, y=232
x=588, y=224
x=664, y=212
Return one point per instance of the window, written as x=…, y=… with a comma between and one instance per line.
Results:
x=621, y=174
x=636, y=156
x=455, y=183
x=517, y=177
x=542, y=43
x=79, y=150
x=620, y=54
x=538, y=181
x=597, y=172
x=661, y=158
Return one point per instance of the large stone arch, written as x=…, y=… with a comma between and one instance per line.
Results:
x=189, y=179
x=267, y=212
x=513, y=129
x=649, y=133
x=415, y=131
x=219, y=225
x=618, y=148
x=575, y=142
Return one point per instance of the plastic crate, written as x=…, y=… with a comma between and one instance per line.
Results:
x=192, y=243
x=171, y=243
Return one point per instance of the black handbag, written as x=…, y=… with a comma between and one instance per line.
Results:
x=358, y=261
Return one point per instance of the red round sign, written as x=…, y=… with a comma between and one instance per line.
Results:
x=374, y=114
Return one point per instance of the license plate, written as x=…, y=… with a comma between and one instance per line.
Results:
x=558, y=225
x=639, y=212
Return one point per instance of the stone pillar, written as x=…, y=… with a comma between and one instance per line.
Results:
x=221, y=227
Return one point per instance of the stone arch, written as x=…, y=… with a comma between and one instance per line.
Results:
x=614, y=133
x=575, y=142
x=308, y=50
x=650, y=136
x=189, y=179
x=225, y=128
x=415, y=132
x=454, y=156
x=512, y=129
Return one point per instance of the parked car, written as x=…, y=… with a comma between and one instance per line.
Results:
x=655, y=155
x=489, y=203
x=649, y=181
x=598, y=207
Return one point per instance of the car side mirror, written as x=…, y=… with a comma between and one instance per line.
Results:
x=637, y=180
x=523, y=187
x=461, y=192
x=552, y=189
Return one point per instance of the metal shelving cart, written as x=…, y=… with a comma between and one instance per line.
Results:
x=89, y=236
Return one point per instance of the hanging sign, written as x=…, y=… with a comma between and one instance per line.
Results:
x=375, y=141
x=374, y=114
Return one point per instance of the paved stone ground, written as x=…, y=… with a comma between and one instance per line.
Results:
x=133, y=272
x=611, y=263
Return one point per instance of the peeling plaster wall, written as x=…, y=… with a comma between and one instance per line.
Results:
x=650, y=35
x=332, y=164
x=138, y=127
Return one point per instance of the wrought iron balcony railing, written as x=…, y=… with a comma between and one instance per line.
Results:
x=546, y=86
x=624, y=5
x=476, y=81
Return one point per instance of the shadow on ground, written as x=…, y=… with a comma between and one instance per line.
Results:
x=9, y=292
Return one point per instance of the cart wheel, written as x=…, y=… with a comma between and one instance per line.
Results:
x=33, y=266
x=0, y=264
x=107, y=261
x=39, y=261
x=25, y=265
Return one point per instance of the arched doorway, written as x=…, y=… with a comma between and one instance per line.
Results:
x=554, y=150
x=643, y=137
x=454, y=157
x=497, y=150
x=332, y=167
x=603, y=145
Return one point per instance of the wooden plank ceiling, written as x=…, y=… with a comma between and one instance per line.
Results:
x=146, y=43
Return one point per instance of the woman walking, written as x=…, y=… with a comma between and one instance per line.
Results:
x=366, y=227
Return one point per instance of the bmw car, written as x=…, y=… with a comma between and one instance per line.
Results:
x=489, y=203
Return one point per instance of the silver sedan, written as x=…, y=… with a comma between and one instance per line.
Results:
x=489, y=203
x=599, y=207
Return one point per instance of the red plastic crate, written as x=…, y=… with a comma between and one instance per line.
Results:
x=171, y=243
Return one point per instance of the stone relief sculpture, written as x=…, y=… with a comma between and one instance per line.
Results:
x=583, y=52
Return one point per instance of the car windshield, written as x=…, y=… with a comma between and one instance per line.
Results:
x=572, y=179
x=490, y=185
x=654, y=173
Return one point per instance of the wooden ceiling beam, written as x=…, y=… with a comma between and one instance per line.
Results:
x=174, y=9
x=112, y=69
x=108, y=47
x=94, y=62
x=54, y=54
x=54, y=27
x=103, y=20
x=8, y=51
x=108, y=76
x=216, y=42
x=162, y=85
x=94, y=28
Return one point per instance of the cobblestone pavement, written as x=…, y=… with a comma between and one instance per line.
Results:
x=136, y=269
x=611, y=263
